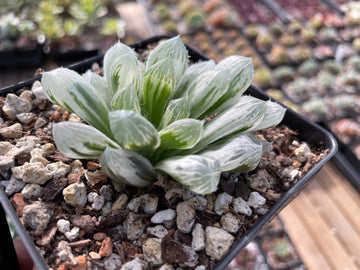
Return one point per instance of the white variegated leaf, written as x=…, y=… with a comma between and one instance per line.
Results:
x=126, y=99
x=239, y=71
x=249, y=111
x=127, y=167
x=118, y=50
x=159, y=82
x=198, y=173
x=206, y=90
x=78, y=141
x=176, y=109
x=100, y=85
x=134, y=132
x=190, y=76
x=173, y=48
x=274, y=114
x=238, y=153
x=71, y=91
x=181, y=134
x=125, y=70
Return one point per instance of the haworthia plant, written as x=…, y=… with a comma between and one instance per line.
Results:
x=153, y=117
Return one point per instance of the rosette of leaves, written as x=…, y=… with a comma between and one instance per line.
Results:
x=145, y=118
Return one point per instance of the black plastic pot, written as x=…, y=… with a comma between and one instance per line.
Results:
x=17, y=57
x=308, y=131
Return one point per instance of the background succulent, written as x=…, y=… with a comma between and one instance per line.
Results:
x=151, y=117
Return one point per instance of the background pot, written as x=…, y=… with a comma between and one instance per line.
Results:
x=308, y=132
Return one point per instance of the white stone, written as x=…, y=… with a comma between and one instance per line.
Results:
x=73, y=233
x=113, y=262
x=15, y=105
x=40, y=122
x=64, y=252
x=200, y=267
x=152, y=251
x=136, y=264
x=164, y=215
x=198, y=240
x=75, y=194
x=144, y=202
x=48, y=149
x=14, y=185
x=256, y=200
x=230, y=222
x=37, y=216
x=133, y=226
x=58, y=168
x=106, y=210
x=166, y=266
x=24, y=145
x=185, y=216
x=302, y=152
x=25, y=118
x=12, y=132
x=261, y=181
x=6, y=162
x=5, y=147
x=198, y=202
x=63, y=225
x=31, y=191
x=241, y=206
x=222, y=203
x=158, y=231
x=98, y=202
x=39, y=93
x=35, y=173
x=218, y=242
x=107, y=192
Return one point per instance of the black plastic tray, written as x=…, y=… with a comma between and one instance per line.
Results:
x=21, y=57
x=308, y=131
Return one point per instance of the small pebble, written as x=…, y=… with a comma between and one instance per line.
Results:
x=198, y=240
x=72, y=234
x=94, y=256
x=107, y=192
x=12, y=132
x=222, y=203
x=185, y=216
x=63, y=225
x=152, y=251
x=31, y=191
x=218, y=242
x=113, y=262
x=106, y=247
x=159, y=231
x=14, y=185
x=164, y=215
x=40, y=122
x=302, y=152
x=241, y=206
x=120, y=203
x=256, y=200
x=75, y=194
x=230, y=222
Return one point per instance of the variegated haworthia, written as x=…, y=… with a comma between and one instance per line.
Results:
x=144, y=118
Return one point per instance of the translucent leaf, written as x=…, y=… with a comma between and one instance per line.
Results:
x=158, y=86
x=238, y=153
x=182, y=134
x=177, y=109
x=190, y=76
x=125, y=70
x=76, y=140
x=198, y=173
x=99, y=84
x=71, y=91
x=248, y=112
x=134, y=132
x=111, y=56
x=127, y=167
x=205, y=91
x=274, y=114
x=239, y=71
x=126, y=99
x=173, y=48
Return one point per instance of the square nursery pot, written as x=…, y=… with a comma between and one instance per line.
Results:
x=307, y=131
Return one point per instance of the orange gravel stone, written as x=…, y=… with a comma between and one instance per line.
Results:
x=106, y=247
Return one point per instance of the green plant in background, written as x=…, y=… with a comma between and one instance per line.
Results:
x=195, y=19
x=113, y=27
x=151, y=117
x=87, y=11
x=48, y=20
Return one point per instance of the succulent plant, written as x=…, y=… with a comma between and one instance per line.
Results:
x=149, y=118
x=282, y=249
x=316, y=109
x=308, y=34
x=296, y=90
x=279, y=56
x=287, y=40
x=301, y=53
x=276, y=29
x=195, y=19
x=262, y=77
x=326, y=80
x=251, y=31
x=309, y=68
x=317, y=21
x=264, y=40
x=345, y=102
x=354, y=63
x=284, y=74
x=328, y=34
x=87, y=11
x=295, y=26
x=170, y=26
x=185, y=5
x=356, y=44
x=350, y=78
x=162, y=10
x=332, y=66
x=71, y=27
